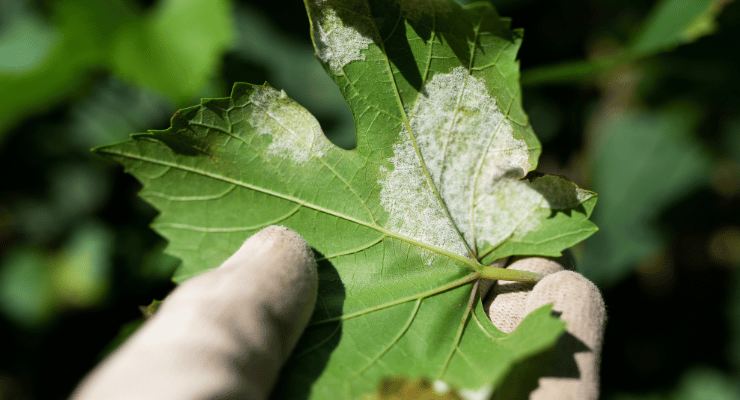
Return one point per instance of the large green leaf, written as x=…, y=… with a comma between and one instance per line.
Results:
x=407, y=223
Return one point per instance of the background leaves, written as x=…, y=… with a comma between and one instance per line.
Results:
x=670, y=24
x=49, y=57
x=689, y=280
x=637, y=182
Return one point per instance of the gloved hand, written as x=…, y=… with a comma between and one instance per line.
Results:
x=226, y=333
x=571, y=369
x=222, y=334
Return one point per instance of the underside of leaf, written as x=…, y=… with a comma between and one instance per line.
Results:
x=404, y=225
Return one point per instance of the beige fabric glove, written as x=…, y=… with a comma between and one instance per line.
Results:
x=571, y=370
x=223, y=334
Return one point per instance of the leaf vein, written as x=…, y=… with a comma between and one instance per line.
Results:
x=209, y=229
x=395, y=340
x=472, y=264
x=428, y=293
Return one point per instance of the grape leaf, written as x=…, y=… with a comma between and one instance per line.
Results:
x=406, y=224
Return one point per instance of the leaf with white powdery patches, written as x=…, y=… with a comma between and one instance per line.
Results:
x=406, y=224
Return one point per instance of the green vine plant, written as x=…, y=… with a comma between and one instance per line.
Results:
x=437, y=194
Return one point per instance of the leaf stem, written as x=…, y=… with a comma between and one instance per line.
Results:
x=505, y=274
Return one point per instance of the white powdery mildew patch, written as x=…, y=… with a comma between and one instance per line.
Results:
x=338, y=44
x=477, y=166
x=412, y=209
x=476, y=162
x=507, y=209
x=295, y=133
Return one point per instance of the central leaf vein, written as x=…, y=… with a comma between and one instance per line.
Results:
x=412, y=137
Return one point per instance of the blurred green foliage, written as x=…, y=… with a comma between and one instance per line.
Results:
x=675, y=22
x=173, y=48
x=696, y=384
x=34, y=285
x=641, y=162
x=670, y=24
x=646, y=115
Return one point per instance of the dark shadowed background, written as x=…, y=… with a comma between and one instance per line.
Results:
x=635, y=99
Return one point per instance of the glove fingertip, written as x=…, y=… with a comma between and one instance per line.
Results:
x=573, y=295
x=276, y=239
x=507, y=300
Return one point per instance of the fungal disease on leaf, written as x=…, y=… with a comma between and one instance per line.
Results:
x=436, y=193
